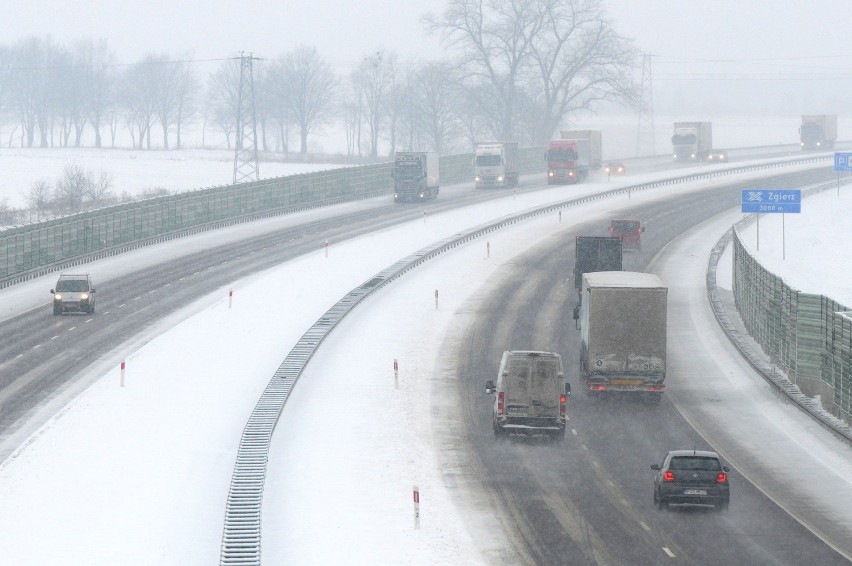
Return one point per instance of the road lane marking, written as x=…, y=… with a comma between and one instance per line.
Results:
x=54, y=337
x=669, y=552
x=36, y=346
x=645, y=526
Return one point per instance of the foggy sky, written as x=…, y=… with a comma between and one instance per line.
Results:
x=804, y=47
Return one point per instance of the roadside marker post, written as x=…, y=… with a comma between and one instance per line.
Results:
x=416, y=507
x=122, y=373
x=436, y=299
x=395, y=374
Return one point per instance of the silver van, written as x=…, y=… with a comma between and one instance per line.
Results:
x=73, y=293
x=531, y=394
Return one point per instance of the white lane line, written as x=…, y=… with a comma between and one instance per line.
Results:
x=54, y=337
x=574, y=432
x=72, y=328
x=645, y=526
x=36, y=346
x=669, y=552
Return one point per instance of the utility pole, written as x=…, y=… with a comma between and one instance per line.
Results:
x=245, y=148
x=645, y=144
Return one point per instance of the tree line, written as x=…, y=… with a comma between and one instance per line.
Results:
x=516, y=69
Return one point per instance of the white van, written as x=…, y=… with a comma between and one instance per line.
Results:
x=531, y=394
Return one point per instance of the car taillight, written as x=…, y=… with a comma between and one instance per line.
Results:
x=668, y=476
x=638, y=229
x=722, y=477
x=562, y=399
x=611, y=230
x=500, y=403
x=595, y=387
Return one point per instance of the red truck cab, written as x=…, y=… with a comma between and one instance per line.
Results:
x=630, y=232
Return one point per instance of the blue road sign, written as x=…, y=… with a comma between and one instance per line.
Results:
x=771, y=200
x=842, y=161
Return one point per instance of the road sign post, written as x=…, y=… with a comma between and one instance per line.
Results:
x=769, y=201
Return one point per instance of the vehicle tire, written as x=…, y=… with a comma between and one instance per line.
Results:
x=662, y=505
x=56, y=311
x=558, y=435
x=92, y=309
x=654, y=398
x=499, y=432
x=722, y=507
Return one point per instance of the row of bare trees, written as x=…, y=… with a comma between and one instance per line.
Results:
x=517, y=69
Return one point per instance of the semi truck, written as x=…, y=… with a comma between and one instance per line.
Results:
x=496, y=164
x=818, y=131
x=416, y=176
x=692, y=141
x=531, y=394
x=573, y=156
x=622, y=320
x=595, y=144
x=596, y=253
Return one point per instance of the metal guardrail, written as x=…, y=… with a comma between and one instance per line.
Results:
x=241, y=536
x=737, y=332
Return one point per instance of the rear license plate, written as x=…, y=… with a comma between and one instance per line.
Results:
x=626, y=382
x=695, y=492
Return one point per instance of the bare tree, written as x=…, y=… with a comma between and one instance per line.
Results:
x=188, y=88
x=436, y=91
x=223, y=96
x=140, y=96
x=70, y=189
x=98, y=189
x=494, y=39
x=307, y=84
x=99, y=80
x=371, y=81
x=39, y=197
x=581, y=61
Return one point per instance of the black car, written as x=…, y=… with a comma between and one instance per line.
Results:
x=691, y=477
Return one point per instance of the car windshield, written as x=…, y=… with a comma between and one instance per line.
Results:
x=72, y=285
x=695, y=463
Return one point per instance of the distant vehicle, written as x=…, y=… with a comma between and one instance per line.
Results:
x=818, y=131
x=416, y=176
x=717, y=155
x=596, y=253
x=622, y=319
x=630, y=232
x=73, y=293
x=691, y=477
x=692, y=141
x=495, y=164
x=531, y=395
x=573, y=156
x=614, y=168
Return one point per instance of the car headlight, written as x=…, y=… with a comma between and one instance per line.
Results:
x=84, y=297
x=57, y=297
x=500, y=178
x=477, y=179
x=550, y=173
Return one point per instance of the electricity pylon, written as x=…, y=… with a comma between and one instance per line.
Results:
x=245, y=147
x=645, y=136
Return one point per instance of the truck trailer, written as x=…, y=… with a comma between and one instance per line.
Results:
x=416, y=176
x=818, y=131
x=692, y=141
x=531, y=394
x=623, y=334
x=495, y=164
x=596, y=253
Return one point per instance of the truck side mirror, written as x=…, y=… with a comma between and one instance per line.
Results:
x=489, y=386
x=577, y=317
x=568, y=389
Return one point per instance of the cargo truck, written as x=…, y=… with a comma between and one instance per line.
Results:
x=622, y=322
x=595, y=144
x=531, y=395
x=573, y=156
x=495, y=164
x=818, y=131
x=416, y=176
x=596, y=253
x=692, y=141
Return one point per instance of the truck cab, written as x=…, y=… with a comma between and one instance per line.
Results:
x=629, y=231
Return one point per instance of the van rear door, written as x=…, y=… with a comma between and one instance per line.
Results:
x=533, y=386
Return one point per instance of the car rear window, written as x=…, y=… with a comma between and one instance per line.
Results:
x=695, y=463
x=625, y=226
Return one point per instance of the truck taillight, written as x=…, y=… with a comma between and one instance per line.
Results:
x=562, y=400
x=611, y=230
x=500, y=403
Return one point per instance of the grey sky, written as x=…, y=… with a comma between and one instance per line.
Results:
x=792, y=38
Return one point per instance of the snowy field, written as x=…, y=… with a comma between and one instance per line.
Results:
x=133, y=171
